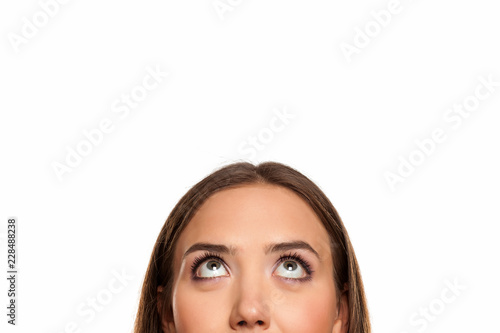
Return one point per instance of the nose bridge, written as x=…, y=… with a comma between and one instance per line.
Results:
x=252, y=306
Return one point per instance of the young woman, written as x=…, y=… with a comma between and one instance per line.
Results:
x=253, y=248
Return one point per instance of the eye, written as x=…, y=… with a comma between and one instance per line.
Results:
x=294, y=267
x=208, y=266
x=211, y=269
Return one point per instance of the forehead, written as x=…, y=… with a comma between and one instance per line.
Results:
x=251, y=216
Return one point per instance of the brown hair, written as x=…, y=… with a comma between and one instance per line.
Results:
x=346, y=273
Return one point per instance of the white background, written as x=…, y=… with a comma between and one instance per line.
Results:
x=228, y=74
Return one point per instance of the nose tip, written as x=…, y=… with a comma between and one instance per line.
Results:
x=251, y=312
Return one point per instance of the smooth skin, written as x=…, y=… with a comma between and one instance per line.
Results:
x=249, y=291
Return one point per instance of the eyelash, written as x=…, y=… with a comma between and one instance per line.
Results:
x=199, y=260
x=291, y=256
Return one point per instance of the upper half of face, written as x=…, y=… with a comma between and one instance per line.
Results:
x=254, y=289
x=251, y=217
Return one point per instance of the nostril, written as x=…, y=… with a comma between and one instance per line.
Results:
x=243, y=323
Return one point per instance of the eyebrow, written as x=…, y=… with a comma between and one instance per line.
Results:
x=270, y=248
x=293, y=245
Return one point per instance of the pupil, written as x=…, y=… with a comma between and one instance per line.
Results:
x=290, y=266
x=214, y=265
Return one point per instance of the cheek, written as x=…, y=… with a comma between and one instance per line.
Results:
x=307, y=312
x=196, y=311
